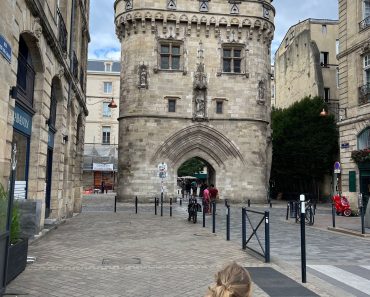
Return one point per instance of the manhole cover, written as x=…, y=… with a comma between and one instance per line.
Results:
x=121, y=261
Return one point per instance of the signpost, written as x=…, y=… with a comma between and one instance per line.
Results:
x=337, y=170
x=162, y=173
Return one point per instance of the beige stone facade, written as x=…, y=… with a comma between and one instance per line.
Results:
x=306, y=63
x=354, y=78
x=101, y=132
x=45, y=114
x=196, y=83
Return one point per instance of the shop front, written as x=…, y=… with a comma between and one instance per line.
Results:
x=21, y=137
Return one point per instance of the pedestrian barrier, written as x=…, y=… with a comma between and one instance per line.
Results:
x=115, y=203
x=155, y=205
x=136, y=201
x=266, y=249
x=213, y=216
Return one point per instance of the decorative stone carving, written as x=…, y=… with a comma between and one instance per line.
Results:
x=129, y=5
x=143, y=77
x=171, y=4
x=60, y=72
x=234, y=7
x=37, y=28
x=203, y=6
x=200, y=92
x=261, y=92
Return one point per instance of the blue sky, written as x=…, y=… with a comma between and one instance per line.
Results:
x=105, y=45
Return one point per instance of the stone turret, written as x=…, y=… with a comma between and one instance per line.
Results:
x=194, y=83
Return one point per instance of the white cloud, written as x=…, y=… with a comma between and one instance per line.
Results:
x=105, y=45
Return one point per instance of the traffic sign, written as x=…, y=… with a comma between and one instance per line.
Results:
x=162, y=170
x=337, y=167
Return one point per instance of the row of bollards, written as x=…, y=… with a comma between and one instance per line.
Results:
x=156, y=204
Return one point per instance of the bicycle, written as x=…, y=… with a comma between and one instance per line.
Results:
x=309, y=214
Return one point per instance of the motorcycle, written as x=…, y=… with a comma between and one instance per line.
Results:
x=342, y=206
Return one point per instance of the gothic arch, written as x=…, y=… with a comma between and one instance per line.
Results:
x=195, y=139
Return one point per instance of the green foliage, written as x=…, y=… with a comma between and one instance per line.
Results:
x=190, y=167
x=305, y=145
x=361, y=155
x=15, y=227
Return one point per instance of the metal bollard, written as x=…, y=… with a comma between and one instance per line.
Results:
x=270, y=204
x=162, y=205
x=249, y=203
x=303, y=238
x=333, y=214
x=362, y=219
x=244, y=229
x=287, y=211
x=204, y=216
x=180, y=201
x=170, y=207
x=136, y=204
x=115, y=203
x=228, y=221
x=155, y=205
x=214, y=217
x=267, y=237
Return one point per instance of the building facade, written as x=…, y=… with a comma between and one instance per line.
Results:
x=101, y=132
x=196, y=83
x=354, y=85
x=306, y=63
x=43, y=109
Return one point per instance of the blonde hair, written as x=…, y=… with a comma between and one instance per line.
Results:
x=232, y=281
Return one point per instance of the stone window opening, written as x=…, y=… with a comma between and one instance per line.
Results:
x=108, y=87
x=324, y=59
x=108, y=67
x=219, y=107
x=203, y=6
x=232, y=57
x=106, y=131
x=365, y=88
x=363, y=139
x=170, y=55
x=326, y=95
x=171, y=105
x=107, y=112
x=129, y=5
x=171, y=4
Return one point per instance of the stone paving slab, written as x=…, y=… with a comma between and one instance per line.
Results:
x=101, y=253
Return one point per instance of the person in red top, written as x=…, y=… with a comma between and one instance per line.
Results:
x=206, y=200
x=213, y=192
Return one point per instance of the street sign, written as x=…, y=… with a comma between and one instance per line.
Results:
x=162, y=170
x=337, y=167
x=5, y=49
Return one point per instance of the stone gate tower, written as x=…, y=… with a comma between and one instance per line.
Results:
x=195, y=82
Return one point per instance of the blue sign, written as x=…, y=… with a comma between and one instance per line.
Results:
x=22, y=120
x=344, y=145
x=5, y=49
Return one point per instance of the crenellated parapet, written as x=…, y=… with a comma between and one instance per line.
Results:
x=235, y=27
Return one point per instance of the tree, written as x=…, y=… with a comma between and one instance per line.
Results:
x=305, y=146
x=190, y=167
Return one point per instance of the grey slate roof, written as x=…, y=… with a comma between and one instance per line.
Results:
x=98, y=65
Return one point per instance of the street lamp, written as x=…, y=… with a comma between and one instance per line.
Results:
x=324, y=113
x=111, y=104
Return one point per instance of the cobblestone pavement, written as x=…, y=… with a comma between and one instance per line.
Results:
x=100, y=253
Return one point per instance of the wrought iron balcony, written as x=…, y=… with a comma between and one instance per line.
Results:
x=364, y=92
x=62, y=31
x=365, y=23
x=75, y=66
x=25, y=81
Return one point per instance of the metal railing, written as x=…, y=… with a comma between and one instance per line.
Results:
x=62, y=32
x=266, y=249
x=364, y=23
x=25, y=81
x=364, y=94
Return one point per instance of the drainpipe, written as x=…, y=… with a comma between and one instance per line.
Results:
x=71, y=51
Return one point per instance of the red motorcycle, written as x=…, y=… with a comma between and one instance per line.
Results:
x=342, y=206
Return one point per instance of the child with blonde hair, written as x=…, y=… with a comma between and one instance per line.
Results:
x=232, y=281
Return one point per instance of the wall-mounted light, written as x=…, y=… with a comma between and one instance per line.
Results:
x=342, y=116
x=13, y=92
x=112, y=104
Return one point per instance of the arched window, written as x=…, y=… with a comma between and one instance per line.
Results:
x=363, y=139
x=53, y=106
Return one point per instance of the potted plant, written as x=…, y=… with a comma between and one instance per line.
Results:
x=17, y=253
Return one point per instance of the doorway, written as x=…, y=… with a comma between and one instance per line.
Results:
x=49, y=173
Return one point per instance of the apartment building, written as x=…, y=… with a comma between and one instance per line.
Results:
x=101, y=133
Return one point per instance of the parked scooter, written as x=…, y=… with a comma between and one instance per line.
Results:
x=342, y=206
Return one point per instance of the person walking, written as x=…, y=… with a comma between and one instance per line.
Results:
x=213, y=194
x=206, y=201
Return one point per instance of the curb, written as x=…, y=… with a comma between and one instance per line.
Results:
x=348, y=231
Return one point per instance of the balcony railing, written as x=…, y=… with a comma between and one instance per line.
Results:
x=365, y=23
x=62, y=31
x=364, y=92
x=75, y=66
x=25, y=81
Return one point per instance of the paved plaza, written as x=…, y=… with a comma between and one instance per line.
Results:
x=102, y=253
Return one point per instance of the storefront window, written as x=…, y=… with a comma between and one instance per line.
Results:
x=22, y=142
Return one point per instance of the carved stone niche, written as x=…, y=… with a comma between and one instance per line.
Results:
x=261, y=98
x=200, y=93
x=143, y=77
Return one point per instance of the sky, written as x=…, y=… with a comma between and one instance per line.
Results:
x=105, y=45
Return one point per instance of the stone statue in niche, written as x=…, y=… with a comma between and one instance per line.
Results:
x=143, y=76
x=261, y=92
x=200, y=93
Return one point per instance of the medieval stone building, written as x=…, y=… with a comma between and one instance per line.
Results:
x=42, y=103
x=195, y=82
